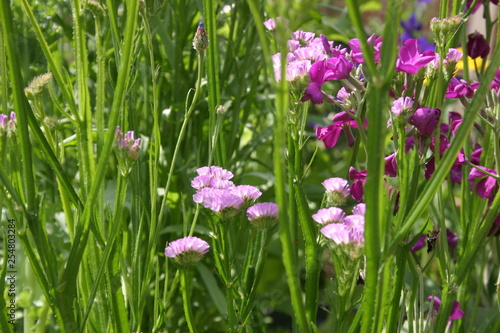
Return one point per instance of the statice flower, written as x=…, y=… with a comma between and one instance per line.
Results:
x=303, y=37
x=349, y=232
x=247, y=193
x=410, y=60
x=326, y=216
x=263, y=215
x=271, y=23
x=359, y=209
x=128, y=146
x=456, y=312
x=223, y=202
x=337, y=190
x=187, y=250
x=402, y=106
x=215, y=172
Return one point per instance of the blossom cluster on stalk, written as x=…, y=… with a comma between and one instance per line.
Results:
x=187, y=250
x=8, y=125
x=216, y=192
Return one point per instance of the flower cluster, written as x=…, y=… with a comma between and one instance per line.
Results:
x=187, y=250
x=8, y=126
x=215, y=191
x=127, y=145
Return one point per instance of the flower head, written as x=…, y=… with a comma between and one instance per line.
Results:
x=326, y=216
x=263, y=215
x=223, y=202
x=486, y=184
x=187, y=250
x=337, y=190
x=200, y=40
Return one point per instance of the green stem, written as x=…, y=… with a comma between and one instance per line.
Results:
x=186, y=300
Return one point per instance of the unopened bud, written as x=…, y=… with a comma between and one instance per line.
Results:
x=200, y=40
x=477, y=46
x=36, y=85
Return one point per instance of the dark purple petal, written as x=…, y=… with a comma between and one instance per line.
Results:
x=357, y=191
x=425, y=120
x=477, y=46
x=419, y=244
x=452, y=239
x=390, y=165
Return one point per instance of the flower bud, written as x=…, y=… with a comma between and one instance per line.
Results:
x=477, y=46
x=200, y=40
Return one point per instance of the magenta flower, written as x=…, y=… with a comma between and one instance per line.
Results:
x=359, y=178
x=187, y=250
x=330, y=134
x=495, y=84
x=425, y=120
x=419, y=244
x=390, y=165
x=326, y=216
x=452, y=238
x=356, y=52
x=3, y=122
x=263, y=215
x=335, y=68
x=410, y=60
x=486, y=184
x=456, y=312
x=458, y=88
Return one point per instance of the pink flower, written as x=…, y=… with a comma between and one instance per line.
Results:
x=247, y=192
x=326, y=216
x=337, y=232
x=187, y=250
x=215, y=172
x=271, y=23
x=263, y=215
x=458, y=88
x=402, y=105
x=410, y=60
x=359, y=209
x=337, y=190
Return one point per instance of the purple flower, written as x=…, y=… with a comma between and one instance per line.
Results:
x=263, y=215
x=337, y=190
x=477, y=46
x=486, y=185
x=187, y=250
x=3, y=121
x=326, y=216
x=425, y=120
x=410, y=60
x=127, y=145
x=452, y=238
x=456, y=312
x=453, y=56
